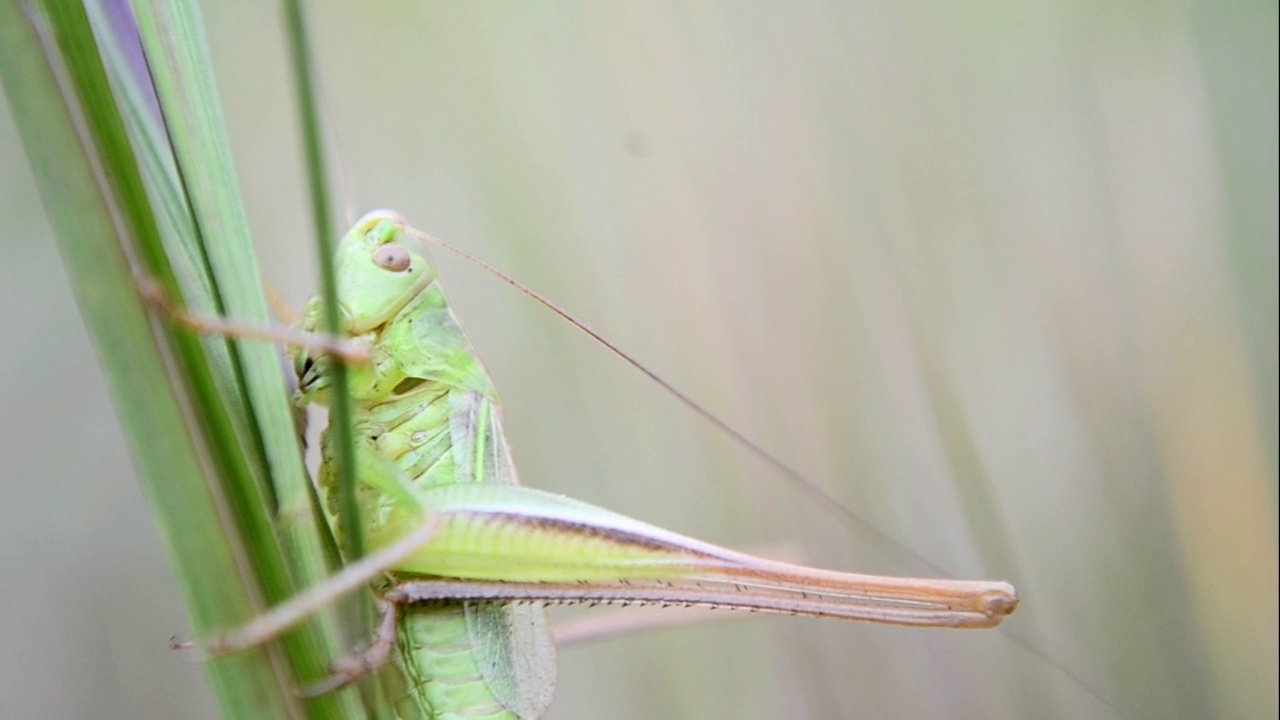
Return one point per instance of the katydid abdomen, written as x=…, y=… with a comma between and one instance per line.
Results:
x=456, y=658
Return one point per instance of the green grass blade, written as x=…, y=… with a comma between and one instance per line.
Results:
x=313, y=146
x=93, y=192
x=340, y=408
x=140, y=183
x=173, y=37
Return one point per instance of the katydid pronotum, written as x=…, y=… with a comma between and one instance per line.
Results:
x=466, y=556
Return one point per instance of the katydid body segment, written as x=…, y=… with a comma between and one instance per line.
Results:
x=426, y=416
x=472, y=638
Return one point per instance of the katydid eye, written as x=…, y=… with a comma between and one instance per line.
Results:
x=392, y=257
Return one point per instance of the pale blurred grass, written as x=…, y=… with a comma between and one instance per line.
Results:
x=1002, y=278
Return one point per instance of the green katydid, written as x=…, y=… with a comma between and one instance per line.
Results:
x=472, y=554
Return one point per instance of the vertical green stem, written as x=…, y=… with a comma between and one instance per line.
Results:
x=340, y=407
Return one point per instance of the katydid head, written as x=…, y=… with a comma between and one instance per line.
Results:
x=381, y=265
x=380, y=268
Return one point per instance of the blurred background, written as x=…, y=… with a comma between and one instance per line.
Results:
x=1002, y=278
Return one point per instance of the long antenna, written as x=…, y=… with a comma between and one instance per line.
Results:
x=816, y=493
x=828, y=502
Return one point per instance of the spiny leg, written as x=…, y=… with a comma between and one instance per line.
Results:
x=278, y=305
x=352, y=351
x=275, y=621
x=352, y=667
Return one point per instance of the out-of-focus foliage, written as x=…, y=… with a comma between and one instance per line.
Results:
x=1002, y=277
